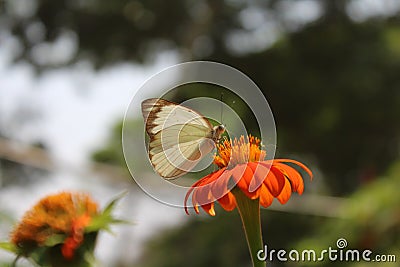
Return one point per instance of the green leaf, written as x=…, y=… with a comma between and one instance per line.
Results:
x=10, y=247
x=55, y=240
x=90, y=259
x=110, y=206
x=103, y=220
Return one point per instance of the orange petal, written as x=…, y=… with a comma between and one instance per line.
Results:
x=196, y=209
x=202, y=183
x=195, y=203
x=219, y=187
x=301, y=165
x=294, y=176
x=285, y=193
x=209, y=208
x=242, y=175
x=191, y=189
x=68, y=249
x=260, y=172
x=266, y=197
x=237, y=174
x=275, y=181
x=202, y=195
x=228, y=202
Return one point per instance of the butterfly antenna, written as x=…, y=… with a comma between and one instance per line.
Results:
x=222, y=106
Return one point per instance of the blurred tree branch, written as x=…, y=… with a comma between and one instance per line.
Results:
x=332, y=82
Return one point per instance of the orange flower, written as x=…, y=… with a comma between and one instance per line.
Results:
x=242, y=165
x=60, y=214
x=76, y=236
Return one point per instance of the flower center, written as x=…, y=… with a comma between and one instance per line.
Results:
x=239, y=151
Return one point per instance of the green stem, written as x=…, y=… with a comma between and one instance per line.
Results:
x=14, y=263
x=249, y=210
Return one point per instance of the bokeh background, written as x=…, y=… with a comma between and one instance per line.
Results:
x=330, y=71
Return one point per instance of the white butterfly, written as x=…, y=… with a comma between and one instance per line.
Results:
x=179, y=136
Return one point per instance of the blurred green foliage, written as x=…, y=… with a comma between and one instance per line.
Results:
x=333, y=83
x=334, y=90
x=372, y=221
x=112, y=152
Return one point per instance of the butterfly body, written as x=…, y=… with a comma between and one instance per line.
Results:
x=179, y=136
x=217, y=132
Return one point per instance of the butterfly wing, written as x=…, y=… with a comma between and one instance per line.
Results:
x=159, y=114
x=179, y=137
